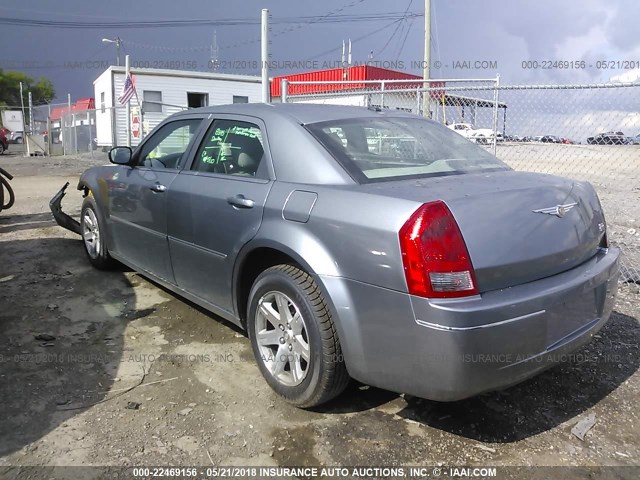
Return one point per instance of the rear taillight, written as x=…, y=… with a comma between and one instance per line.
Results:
x=435, y=257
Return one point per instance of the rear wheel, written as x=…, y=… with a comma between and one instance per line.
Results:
x=293, y=337
x=1, y=148
x=93, y=235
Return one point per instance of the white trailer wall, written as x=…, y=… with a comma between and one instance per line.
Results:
x=174, y=86
x=102, y=88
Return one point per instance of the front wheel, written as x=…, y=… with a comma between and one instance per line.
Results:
x=293, y=337
x=93, y=235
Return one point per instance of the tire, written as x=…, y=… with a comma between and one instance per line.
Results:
x=93, y=235
x=284, y=343
x=1, y=148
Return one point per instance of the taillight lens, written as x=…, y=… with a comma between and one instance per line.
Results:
x=436, y=259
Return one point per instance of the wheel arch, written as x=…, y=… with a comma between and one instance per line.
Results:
x=91, y=183
x=254, y=259
x=259, y=255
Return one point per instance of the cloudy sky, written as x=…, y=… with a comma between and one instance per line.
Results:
x=507, y=32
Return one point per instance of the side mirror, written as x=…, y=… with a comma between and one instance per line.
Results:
x=120, y=155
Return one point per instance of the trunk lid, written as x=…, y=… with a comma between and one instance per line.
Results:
x=510, y=222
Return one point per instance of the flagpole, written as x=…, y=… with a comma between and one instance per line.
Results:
x=135, y=91
x=126, y=75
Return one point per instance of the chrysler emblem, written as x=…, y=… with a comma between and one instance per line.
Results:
x=558, y=210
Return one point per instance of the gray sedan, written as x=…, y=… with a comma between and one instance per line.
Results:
x=356, y=243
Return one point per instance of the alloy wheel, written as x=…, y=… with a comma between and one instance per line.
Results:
x=281, y=335
x=91, y=233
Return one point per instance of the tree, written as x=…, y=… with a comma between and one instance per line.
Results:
x=42, y=90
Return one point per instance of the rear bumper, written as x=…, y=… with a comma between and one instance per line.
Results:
x=452, y=349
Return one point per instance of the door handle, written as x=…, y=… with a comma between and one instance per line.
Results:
x=240, y=201
x=158, y=188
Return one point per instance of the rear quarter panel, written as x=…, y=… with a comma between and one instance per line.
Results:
x=349, y=233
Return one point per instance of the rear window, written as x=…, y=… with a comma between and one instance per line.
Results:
x=378, y=149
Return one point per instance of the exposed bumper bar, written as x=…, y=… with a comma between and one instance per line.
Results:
x=62, y=218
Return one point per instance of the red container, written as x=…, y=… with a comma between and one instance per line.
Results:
x=360, y=72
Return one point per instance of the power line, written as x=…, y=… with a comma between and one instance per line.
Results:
x=405, y=40
x=159, y=48
x=378, y=30
x=396, y=30
x=323, y=19
x=408, y=29
x=437, y=37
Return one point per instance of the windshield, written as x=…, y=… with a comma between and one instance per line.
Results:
x=377, y=149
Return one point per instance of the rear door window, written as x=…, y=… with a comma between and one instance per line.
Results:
x=232, y=147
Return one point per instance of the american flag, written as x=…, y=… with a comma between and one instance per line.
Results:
x=128, y=91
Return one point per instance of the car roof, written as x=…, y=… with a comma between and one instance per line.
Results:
x=302, y=113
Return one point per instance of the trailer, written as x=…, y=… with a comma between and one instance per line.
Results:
x=161, y=93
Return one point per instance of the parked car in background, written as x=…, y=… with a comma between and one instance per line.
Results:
x=550, y=139
x=476, y=135
x=435, y=270
x=16, y=136
x=4, y=144
x=465, y=129
x=567, y=141
x=633, y=140
x=607, y=138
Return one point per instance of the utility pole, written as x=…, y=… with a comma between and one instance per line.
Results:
x=426, y=96
x=118, y=42
x=264, y=41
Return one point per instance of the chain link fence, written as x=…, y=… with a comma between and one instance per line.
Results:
x=584, y=132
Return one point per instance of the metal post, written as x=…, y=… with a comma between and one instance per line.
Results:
x=504, y=122
x=75, y=133
x=495, y=115
x=118, y=43
x=382, y=94
x=30, y=113
x=24, y=128
x=25, y=140
x=284, y=90
x=127, y=72
x=49, y=137
x=426, y=108
x=264, y=41
x=48, y=142
x=418, y=100
x=66, y=134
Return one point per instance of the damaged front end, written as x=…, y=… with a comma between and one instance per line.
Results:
x=62, y=218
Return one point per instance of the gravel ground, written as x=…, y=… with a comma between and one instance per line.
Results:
x=137, y=376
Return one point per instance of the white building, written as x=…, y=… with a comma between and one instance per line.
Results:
x=161, y=93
